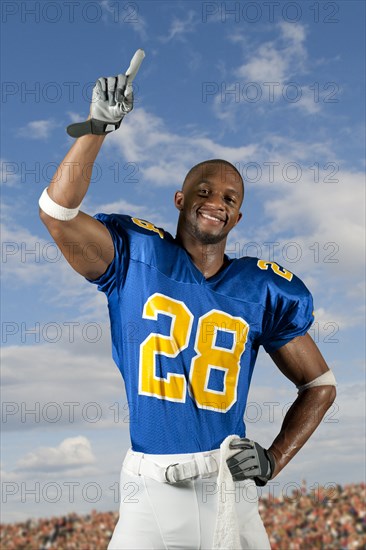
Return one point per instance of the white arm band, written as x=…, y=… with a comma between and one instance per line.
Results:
x=55, y=210
x=326, y=379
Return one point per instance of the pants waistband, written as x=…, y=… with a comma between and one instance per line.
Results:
x=173, y=468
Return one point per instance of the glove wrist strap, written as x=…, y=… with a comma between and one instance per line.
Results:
x=272, y=462
x=263, y=480
x=92, y=126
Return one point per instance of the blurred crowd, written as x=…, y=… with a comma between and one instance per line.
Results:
x=71, y=532
x=324, y=519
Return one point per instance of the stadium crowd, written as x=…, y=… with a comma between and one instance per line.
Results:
x=321, y=519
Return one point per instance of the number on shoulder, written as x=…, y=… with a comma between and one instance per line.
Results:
x=263, y=264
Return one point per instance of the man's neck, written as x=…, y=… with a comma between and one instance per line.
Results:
x=208, y=258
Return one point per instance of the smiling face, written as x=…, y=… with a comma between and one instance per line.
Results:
x=209, y=202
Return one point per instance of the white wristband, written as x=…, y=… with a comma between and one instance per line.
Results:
x=325, y=379
x=55, y=210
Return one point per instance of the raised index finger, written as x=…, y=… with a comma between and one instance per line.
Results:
x=135, y=65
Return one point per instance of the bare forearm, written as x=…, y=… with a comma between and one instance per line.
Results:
x=71, y=180
x=301, y=420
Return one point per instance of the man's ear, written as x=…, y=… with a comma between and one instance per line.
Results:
x=240, y=215
x=179, y=200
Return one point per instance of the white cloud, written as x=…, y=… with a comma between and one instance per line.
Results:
x=309, y=211
x=18, y=261
x=268, y=65
x=73, y=452
x=139, y=25
x=331, y=322
x=75, y=117
x=165, y=157
x=277, y=60
x=60, y=351
x=180, y=27
x=32, y=260
x=276, y=67
x=9, y=476
x=122, y=206
x=37, y=129
x=74, y=384
x=295, y=33
x=306, y=100
x=130, y=14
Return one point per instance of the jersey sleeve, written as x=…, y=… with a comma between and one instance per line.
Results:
x=289, y=312
x=116, y=269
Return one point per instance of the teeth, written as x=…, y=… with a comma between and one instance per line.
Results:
x=210, y=217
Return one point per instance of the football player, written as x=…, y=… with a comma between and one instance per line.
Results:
x=200, y=319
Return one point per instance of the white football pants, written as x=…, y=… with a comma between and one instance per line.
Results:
x=182, y=516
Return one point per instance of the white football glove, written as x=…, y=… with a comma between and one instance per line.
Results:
x=112, y=99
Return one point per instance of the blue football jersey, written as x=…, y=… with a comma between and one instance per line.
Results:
x=185, y=345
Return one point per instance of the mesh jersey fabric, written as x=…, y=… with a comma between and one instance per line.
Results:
x=186, y=346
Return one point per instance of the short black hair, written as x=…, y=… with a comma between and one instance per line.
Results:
x=223, y=162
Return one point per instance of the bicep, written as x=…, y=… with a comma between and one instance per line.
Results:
x=85, y=243
x=300, y=360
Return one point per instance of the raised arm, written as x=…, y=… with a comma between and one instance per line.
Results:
x=83, y=233
x=85, y=242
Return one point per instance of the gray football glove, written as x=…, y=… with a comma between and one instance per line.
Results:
x=251, y=462
x=112, y=100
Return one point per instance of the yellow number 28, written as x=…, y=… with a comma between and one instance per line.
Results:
x=209, y=355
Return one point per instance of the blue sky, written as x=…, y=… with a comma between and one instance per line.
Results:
x=277, y=90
